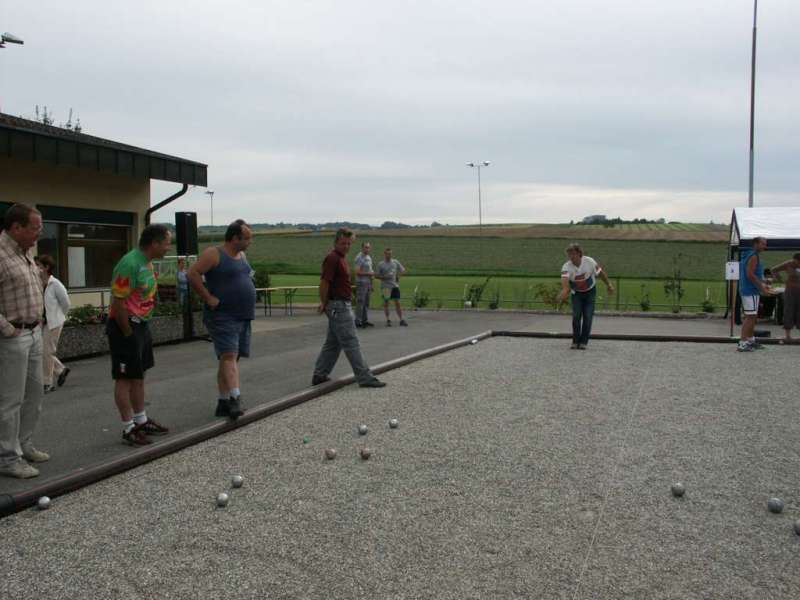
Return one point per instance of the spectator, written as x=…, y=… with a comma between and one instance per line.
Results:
x=56, y=308
x=751, y=287
x=182, y=281
x=21, y=306
x=791, y=294
x=133, y=292
x=389, y=271
x=364, y=276
x=230, y=307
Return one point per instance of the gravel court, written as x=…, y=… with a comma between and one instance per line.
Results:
x=521, y=469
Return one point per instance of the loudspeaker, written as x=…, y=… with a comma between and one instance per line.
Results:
x=186, y=233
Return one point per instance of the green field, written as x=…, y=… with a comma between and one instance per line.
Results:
x=514, y=257
x=520, y=292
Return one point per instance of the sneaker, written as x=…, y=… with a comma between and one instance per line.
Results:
x=62, y=378
x=573, y=347
x=150, y=427
x=33, y=455
x=235, y=408
x=388, y=323
x=581, y=346
x=373, y=383
x=359, y=325
x=744, y=347
x=318, y=379
x=135, y=437
x=222, y=408
x=49, y=388
x=20, y=470
x=403, y=323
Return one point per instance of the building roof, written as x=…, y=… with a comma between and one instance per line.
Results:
x=30, y=140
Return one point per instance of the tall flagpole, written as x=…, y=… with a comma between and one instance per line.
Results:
x=752, y=103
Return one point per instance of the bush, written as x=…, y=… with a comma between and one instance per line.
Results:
x=494, y=300
x=167, y=309
x=85, y=315
x=261, y=278
x=475, y=292
x=421, y=298
x=548, y=294
x=644, y=299
x=708, y=306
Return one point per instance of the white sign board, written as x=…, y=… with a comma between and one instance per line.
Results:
x=732, y=271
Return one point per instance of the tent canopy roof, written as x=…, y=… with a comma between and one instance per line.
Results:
x=780, y=225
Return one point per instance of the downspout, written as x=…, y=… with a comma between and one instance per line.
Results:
x=163, y=203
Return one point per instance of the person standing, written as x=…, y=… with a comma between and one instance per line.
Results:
x=182, y=281
x=230, y=307
x=791, y=294
x=389, y=271
x=751, y=287
x=335, y=296
x=21, y=305
x=56, y=307
x=579, y=280
x=364, y=275
x=133, y=293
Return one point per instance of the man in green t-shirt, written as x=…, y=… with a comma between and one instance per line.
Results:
x=133, y=291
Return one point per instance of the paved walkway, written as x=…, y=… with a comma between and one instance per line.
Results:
x=80, y=426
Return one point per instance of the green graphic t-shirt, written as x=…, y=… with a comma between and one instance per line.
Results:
x=134, y=281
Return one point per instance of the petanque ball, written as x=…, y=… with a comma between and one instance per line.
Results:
x=678, y=490
x=775, y=505
x=222, y=500
x=366, y=453
x=330, y=453
x=237, y=481
x=43, y=503
x=362, y=429
x=394, y=423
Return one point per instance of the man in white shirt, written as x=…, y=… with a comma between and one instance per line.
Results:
x=578, y=279
x=364, y=275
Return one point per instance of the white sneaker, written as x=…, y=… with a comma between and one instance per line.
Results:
x=33, y=455
x=20, y=470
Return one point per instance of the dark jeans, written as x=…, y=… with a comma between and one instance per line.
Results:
x=582, y=314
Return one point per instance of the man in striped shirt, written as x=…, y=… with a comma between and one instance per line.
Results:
x=21, y=305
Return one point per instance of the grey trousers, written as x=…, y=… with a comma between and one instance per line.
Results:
x=21, y=392
x=341, y=336
x=363, y=292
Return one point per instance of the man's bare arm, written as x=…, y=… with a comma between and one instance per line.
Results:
x=121, y=316
x=205, y=262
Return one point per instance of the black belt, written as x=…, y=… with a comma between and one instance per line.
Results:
x=18, y=325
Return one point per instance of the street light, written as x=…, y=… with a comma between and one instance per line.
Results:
x=8, y=38
x=211, y=193
x=478, y=166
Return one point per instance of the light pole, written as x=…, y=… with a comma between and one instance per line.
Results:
x=752, y=103
x=478, y=166
x=9, y=38
x=211, y=194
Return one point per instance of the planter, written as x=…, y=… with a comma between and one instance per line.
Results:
x=87, y=340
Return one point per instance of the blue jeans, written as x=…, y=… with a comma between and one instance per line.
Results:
x=582, y=314
x=341, y=336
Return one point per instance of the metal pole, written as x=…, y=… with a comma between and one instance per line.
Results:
x=480, y=221
x=212, y=209
x=752, y=103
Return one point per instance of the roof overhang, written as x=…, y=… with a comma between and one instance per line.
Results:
x=30, y=140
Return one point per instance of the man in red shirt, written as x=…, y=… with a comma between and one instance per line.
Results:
x=335, y=296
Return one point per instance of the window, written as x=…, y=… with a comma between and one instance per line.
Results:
x=85, y=252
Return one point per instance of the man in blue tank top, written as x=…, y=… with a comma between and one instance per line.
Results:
x=751, y=287
x=229, y=297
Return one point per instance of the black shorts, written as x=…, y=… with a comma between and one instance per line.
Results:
x=130, y=356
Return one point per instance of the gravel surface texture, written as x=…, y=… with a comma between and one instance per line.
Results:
x=520, y=469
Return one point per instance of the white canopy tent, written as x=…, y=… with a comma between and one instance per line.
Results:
x=780, y=225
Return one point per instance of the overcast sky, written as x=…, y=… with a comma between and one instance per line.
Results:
x=367, y=111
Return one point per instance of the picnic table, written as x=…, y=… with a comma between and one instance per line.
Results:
x=289, y=293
